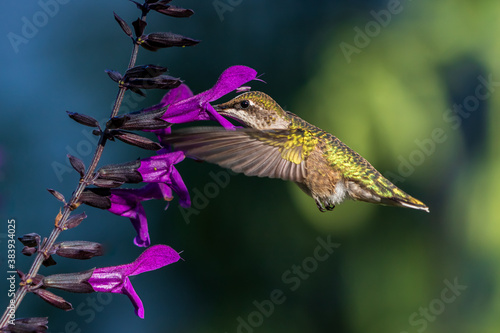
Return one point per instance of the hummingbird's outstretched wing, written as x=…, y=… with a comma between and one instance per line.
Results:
x=269, y=153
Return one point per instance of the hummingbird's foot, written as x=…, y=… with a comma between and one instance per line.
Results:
x=323, y=208
x=320, y=206
x=330, y=207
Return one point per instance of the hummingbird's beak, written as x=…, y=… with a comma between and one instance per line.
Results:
x=219, y=108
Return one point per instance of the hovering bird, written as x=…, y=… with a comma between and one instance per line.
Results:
x=279, y=144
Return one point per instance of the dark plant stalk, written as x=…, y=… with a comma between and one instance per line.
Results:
x=121, y=92
x=72, y=204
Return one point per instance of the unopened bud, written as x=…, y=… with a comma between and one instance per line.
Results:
x=170, y=10
x=74, y=221
x=77, y=164
x=136, y=140
x=145, y=71
x=158, y=40
x=49, y=262
x=72, y=282
x=78, y=249
x=53, y=299
x=139, y=25
x=141, y=120
x=126, y=29
x=57, y=195
x=27, y=325
x=83, y=119
x=31, y=239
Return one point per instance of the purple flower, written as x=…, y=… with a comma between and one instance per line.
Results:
x=160, y=168
x=160, y=173
x=115, y=279
x=185, y=108
x=175, y=95
x=180, y=93
x=180, y=106
x=127, y=203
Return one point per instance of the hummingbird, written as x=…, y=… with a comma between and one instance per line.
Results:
x=276, y=143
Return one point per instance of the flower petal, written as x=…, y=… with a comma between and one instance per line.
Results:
x=197, y=107
x=129, y=290
x=115, y=279
x=180, y=93
x=231, y=79
x=153, y=258
x=177, y=184
x=223, y=121
x=127, y=204
x=157, y=169
x=140, y=224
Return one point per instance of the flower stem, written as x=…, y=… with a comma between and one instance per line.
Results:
x=121, y=92
x=71, y=205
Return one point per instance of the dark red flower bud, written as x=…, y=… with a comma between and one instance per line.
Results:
x=49, y=262
x=31, y=240
x=158, y=82
x=158, y=40
x=74, y=221
x=77, y=164
x=145, y=77
x=136, y=140
x=170, y=10
x=27, y=325
x=83, y=119
x=126, y=29
x=72, y=282
x=145, y=71
x=53, y=299
x=57, y=195
x=139, y=26
x=140, y=120
x=114, y=75
x=78, y=249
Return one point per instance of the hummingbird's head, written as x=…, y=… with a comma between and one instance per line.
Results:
x=255, y=109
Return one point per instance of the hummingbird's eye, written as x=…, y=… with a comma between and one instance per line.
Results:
x=244, y=104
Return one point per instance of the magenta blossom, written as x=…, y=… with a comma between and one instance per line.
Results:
x=175, y=95
x=180, y=106
x=116, y=280
x=161, y=175
x=128, y=203
x=193, y=108
x=163, y=178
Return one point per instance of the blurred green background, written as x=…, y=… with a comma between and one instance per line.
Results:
x=414, y=87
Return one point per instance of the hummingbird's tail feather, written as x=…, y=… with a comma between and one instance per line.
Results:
x=384, y=192
x=409, y=203
x=400, y=198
